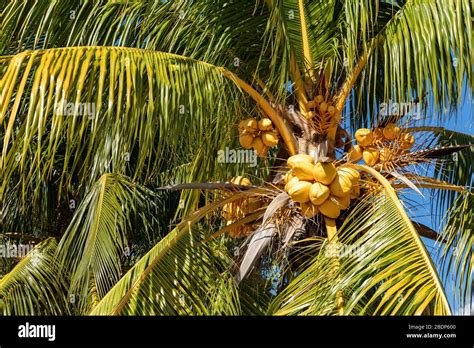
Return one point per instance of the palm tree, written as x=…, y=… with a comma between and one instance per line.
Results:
x=112, y=116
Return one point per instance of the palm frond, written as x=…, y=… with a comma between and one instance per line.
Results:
x=81, y=112
x=93, y=249
x=175, y=277
x=33, y=287
x=456, y=253
x=411, y=56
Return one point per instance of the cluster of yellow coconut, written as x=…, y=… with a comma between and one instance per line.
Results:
x=381, y=144
x=320, y=187
x=259, y=135
x=322, y=106
x=238, y=209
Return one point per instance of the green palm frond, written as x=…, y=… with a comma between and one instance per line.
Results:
x=177, y=276
x=92, y=250
x=313, y=40
x=411, y=56
x=33, y=287
x=456, y=253
x=81, y=112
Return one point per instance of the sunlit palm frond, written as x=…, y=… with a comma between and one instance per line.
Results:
x=33, y=287
x=411, y=55
x=99, y=109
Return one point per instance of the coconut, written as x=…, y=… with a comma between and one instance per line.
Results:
x=319, y=99
x=386, y=154
x=355, y=153
x=406, y=141
x=323, y=106
x=299, y=192
x=304, y=171
x=342, y=202
x=309, y=210
x=371, y=156
x=352, y=174
x=331, y=110
x=241, y=180
x=258, y=145
x=242, y=125
x=329, y=209
x=302, y=157
x=324, y=172
x=290, y=183
x=288, y=176
x=391, y=131
x=364, y=137
x=246, y=140
x=341, y=185
x=250, y=125
x=265, y=124
x=318, y=193
x=270, y=139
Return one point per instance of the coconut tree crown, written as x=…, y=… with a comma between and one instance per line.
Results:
x=112, y=114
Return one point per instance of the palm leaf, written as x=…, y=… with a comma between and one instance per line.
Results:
x=33, y=287
x=175, y=277
x=93, y=248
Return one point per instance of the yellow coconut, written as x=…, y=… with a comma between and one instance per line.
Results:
x=318, y=193
x=242, y=125
x=259, y=146
x=251, y=125
x=288, y=176
x=330, y=209
x=355, y=153
x=364, y=137
x=299, y=192
x=341, y=185
x=324, y=172
x=323, y=107
x=303, y=170
x=353, y=174
x=290, y=183
x=406, y=141
x=227, y=212
x=331, y=110
x=391, y=131
x=371, y=156
x=265, y=124
x=301, y=157
x=309, y=210
x=343, y=202
x=386, y=154
x=319, y=99
x=246, y=140
x=241, y=180
x=270, y=139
